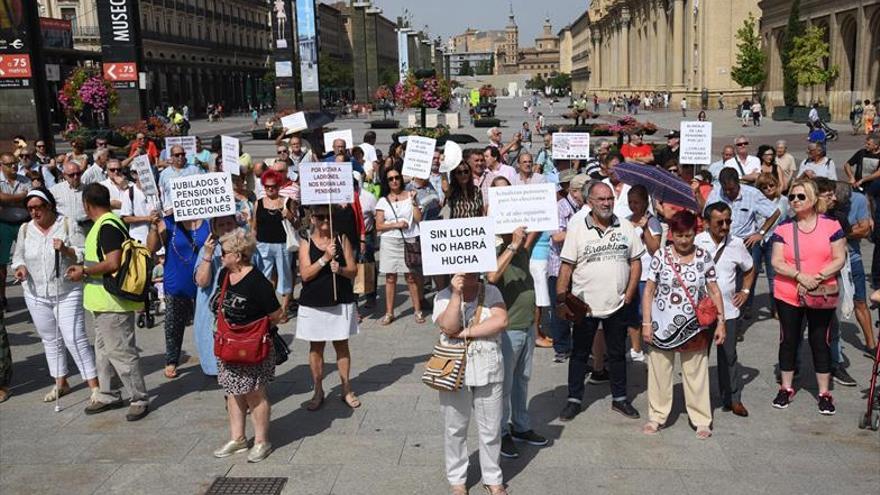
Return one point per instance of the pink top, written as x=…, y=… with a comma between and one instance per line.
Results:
x=814, y=249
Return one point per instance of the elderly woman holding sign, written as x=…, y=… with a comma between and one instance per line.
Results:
x=397, y=216
x=182, y=242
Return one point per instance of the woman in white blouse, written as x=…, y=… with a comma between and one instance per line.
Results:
x=55, y=303
x=455, y=309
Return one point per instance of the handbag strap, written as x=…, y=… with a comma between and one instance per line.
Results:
x=797, y=255
x=222, y=297
x=680, y=280
x=398, y=219
x=720, y=251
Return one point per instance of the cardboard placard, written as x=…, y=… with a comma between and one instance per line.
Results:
x=696, y=143
x=462, y=245
x=370, y=154
x=294, y=122
x=202, y=196
x=326, y=183
x=231, y=150
x=418, y=156
x=571, y=145
x=187, y=142
x=452, y=154
x=141, y=165
x=329, y=137
x=532, y=206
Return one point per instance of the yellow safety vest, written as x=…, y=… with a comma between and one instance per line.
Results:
x=95, y=298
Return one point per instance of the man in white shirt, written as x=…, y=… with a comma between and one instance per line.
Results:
x=601, y=257
x=747, y=165
x=731, y=259
x=68, y=197
x=137, y=211
x=97, y=173
x=817, y=164
x=116, y=183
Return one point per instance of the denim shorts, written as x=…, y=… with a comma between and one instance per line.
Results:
x=858, y=277
x=276, y=258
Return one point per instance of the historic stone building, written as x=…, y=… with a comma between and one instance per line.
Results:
x=574, y=52
x=543, y=58
x=852, y=29
x=681, y=46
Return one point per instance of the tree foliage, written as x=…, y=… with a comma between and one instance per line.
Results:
x=807, y=58
x=749, y=70
x=793, y=30
x=536, y=82
x=560, y=82
x=335, y=75
x=465, y=68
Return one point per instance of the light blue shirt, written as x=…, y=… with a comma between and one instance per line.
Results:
x=746, y=209
x=171, y=173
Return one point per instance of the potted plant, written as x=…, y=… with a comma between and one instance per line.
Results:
x=87, y=100
x=423, y=92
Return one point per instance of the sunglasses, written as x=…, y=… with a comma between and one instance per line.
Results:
x=178, y=154
x=726, y=221
x=112, y=170
x=270, y=186
x=283, y=151
x=797, y=197
x=393, y=177
x=462, y=172
x=743, y=144
x=75, y=174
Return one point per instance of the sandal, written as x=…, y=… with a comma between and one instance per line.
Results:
x=352, y=400
x=316, y=402
x=651, y=428
x=386, y=320
x=56, y=393
x=420, y=317
x=544, y=342
x=703, y=432
x=495, y=490
x=170, y=371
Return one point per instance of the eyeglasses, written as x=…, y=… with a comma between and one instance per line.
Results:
x=746, y=143
x=178, y=154
x=797, y=197
x=393, y=177
x=270, y=186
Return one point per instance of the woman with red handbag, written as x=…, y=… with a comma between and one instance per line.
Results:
x=681, y=298
x=808, y=251
x=246, y=308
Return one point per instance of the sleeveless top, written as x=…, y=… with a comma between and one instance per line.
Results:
x=318, y=292
x=269, y=227
x=466, y=208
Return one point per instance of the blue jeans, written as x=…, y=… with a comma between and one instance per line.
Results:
x=616, y=339
x=560, y=330
x=276, y=258
x=517, y=347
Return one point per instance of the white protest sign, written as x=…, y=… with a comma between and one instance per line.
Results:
x=571, y=145
x=370, y=154
x=418, y=156
x=294, y=122
x=452, y=154
x=696, y=143
x=202, y=196
x=462, y=245
x=141, y=166
x=231, y=150
x=326, y=183
x=187, y=142
x=329, y=137
x=532, y=206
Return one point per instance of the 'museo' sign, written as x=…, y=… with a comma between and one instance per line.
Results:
x=120, y=36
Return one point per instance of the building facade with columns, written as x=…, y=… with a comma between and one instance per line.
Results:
x=852, y=30
x=680, y=46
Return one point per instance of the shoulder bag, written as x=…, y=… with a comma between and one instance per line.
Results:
x=444, y=371
x=822, y=297
x=246, y=344
x=412, y=248
x=706, y=311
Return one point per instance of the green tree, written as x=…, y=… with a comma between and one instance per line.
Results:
x=560, y=82
x=793, y=30
x=807, y=58
x=335, y=74
x=749, y=69
x=465, y=68
x=536, y=82
x=484, y=67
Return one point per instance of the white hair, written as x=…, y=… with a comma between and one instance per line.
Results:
x=491, y=131
x=782, y=143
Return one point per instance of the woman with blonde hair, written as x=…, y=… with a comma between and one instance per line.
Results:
x=244, y=295
x=809, y=250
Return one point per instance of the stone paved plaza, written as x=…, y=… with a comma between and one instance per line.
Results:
x=392, y=444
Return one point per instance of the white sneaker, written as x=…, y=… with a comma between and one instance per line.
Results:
x=636, y=356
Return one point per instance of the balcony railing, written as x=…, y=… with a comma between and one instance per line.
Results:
x=86, y=32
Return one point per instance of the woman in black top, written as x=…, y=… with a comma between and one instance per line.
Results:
x=324, y=316
x=270, y=213
x=465, y=199
x=248, y=297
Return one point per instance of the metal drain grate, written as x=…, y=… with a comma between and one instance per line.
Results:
x=247, y=486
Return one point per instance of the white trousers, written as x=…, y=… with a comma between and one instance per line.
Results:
x=71, y=334
x=456, y=408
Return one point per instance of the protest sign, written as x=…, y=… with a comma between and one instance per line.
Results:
x=329, y=137
x=462, y=245
x=202, y=196
x=532, y=206
x=370, y=154
x=452, y=154
x=187, y=142
x=696, y=143
x=418, y=156
x=326, y=183
x=571, y=145
x=294, y=122
x=231, y=150
x=141, y=166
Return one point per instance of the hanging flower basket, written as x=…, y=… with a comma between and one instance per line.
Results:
x=87, y=98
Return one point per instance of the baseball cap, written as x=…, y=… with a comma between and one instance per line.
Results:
x=566, y=176
x=673, y=134
x=578, y=181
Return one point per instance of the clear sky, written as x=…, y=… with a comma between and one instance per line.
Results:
x=448, y=17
